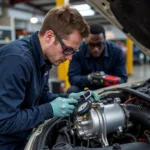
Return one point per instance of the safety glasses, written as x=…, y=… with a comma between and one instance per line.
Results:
x=66, y=49
x=99, y=45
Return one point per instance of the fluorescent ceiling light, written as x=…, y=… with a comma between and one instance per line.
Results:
x=110, y=35
x=89, y=12
x=81, y=7
x=33, y=20
x=84, y=9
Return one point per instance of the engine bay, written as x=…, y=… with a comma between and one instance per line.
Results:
x=119, y=121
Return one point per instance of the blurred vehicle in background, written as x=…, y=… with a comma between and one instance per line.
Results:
x=138, y=56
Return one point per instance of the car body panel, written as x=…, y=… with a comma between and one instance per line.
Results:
x=127, y=16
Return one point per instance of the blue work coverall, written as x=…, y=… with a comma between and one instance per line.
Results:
x=24, y=92
x=112, y=62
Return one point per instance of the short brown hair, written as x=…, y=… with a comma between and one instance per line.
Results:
x=64, y=20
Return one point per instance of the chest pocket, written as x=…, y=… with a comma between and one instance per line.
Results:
x=109, y=66
x=87, y=67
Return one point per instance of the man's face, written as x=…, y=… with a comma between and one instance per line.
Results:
x=62, y=49
x=96, y=44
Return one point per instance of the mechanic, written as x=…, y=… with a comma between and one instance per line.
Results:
x=95, y=55
x=25, y=101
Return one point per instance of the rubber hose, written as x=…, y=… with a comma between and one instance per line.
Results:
x=67, y=136
x=139, y=114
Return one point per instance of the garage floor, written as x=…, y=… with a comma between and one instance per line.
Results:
x=140, y=72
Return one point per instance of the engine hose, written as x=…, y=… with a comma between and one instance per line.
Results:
x=131, y=136
x=139, y=114
x=67, y=136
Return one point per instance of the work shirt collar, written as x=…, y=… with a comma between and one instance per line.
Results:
x=37, y=52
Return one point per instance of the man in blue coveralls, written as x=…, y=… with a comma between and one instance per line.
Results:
x=95, y=55
x=25, y=101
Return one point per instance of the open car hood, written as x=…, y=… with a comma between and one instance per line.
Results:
x=130, y=16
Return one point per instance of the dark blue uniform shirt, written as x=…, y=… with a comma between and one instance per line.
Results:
x=24, y=93
x=112, y=62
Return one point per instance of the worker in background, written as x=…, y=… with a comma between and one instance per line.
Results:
x=96, y=55
x=25, y=101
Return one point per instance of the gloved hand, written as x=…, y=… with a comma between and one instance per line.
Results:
x=94, y=97
x=75, y=95
x=63, y=107
x=94, y=77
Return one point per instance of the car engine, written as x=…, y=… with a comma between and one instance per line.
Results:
x=119, y=121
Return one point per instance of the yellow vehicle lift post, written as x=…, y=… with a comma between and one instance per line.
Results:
x=63, y=68
x=129, y=58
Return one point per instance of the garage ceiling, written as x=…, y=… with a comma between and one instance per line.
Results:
x=45, y=5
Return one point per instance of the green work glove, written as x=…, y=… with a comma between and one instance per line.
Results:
x=94, y=97
x=63, y=107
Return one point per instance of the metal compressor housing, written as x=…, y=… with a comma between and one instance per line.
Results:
x=101, y=120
